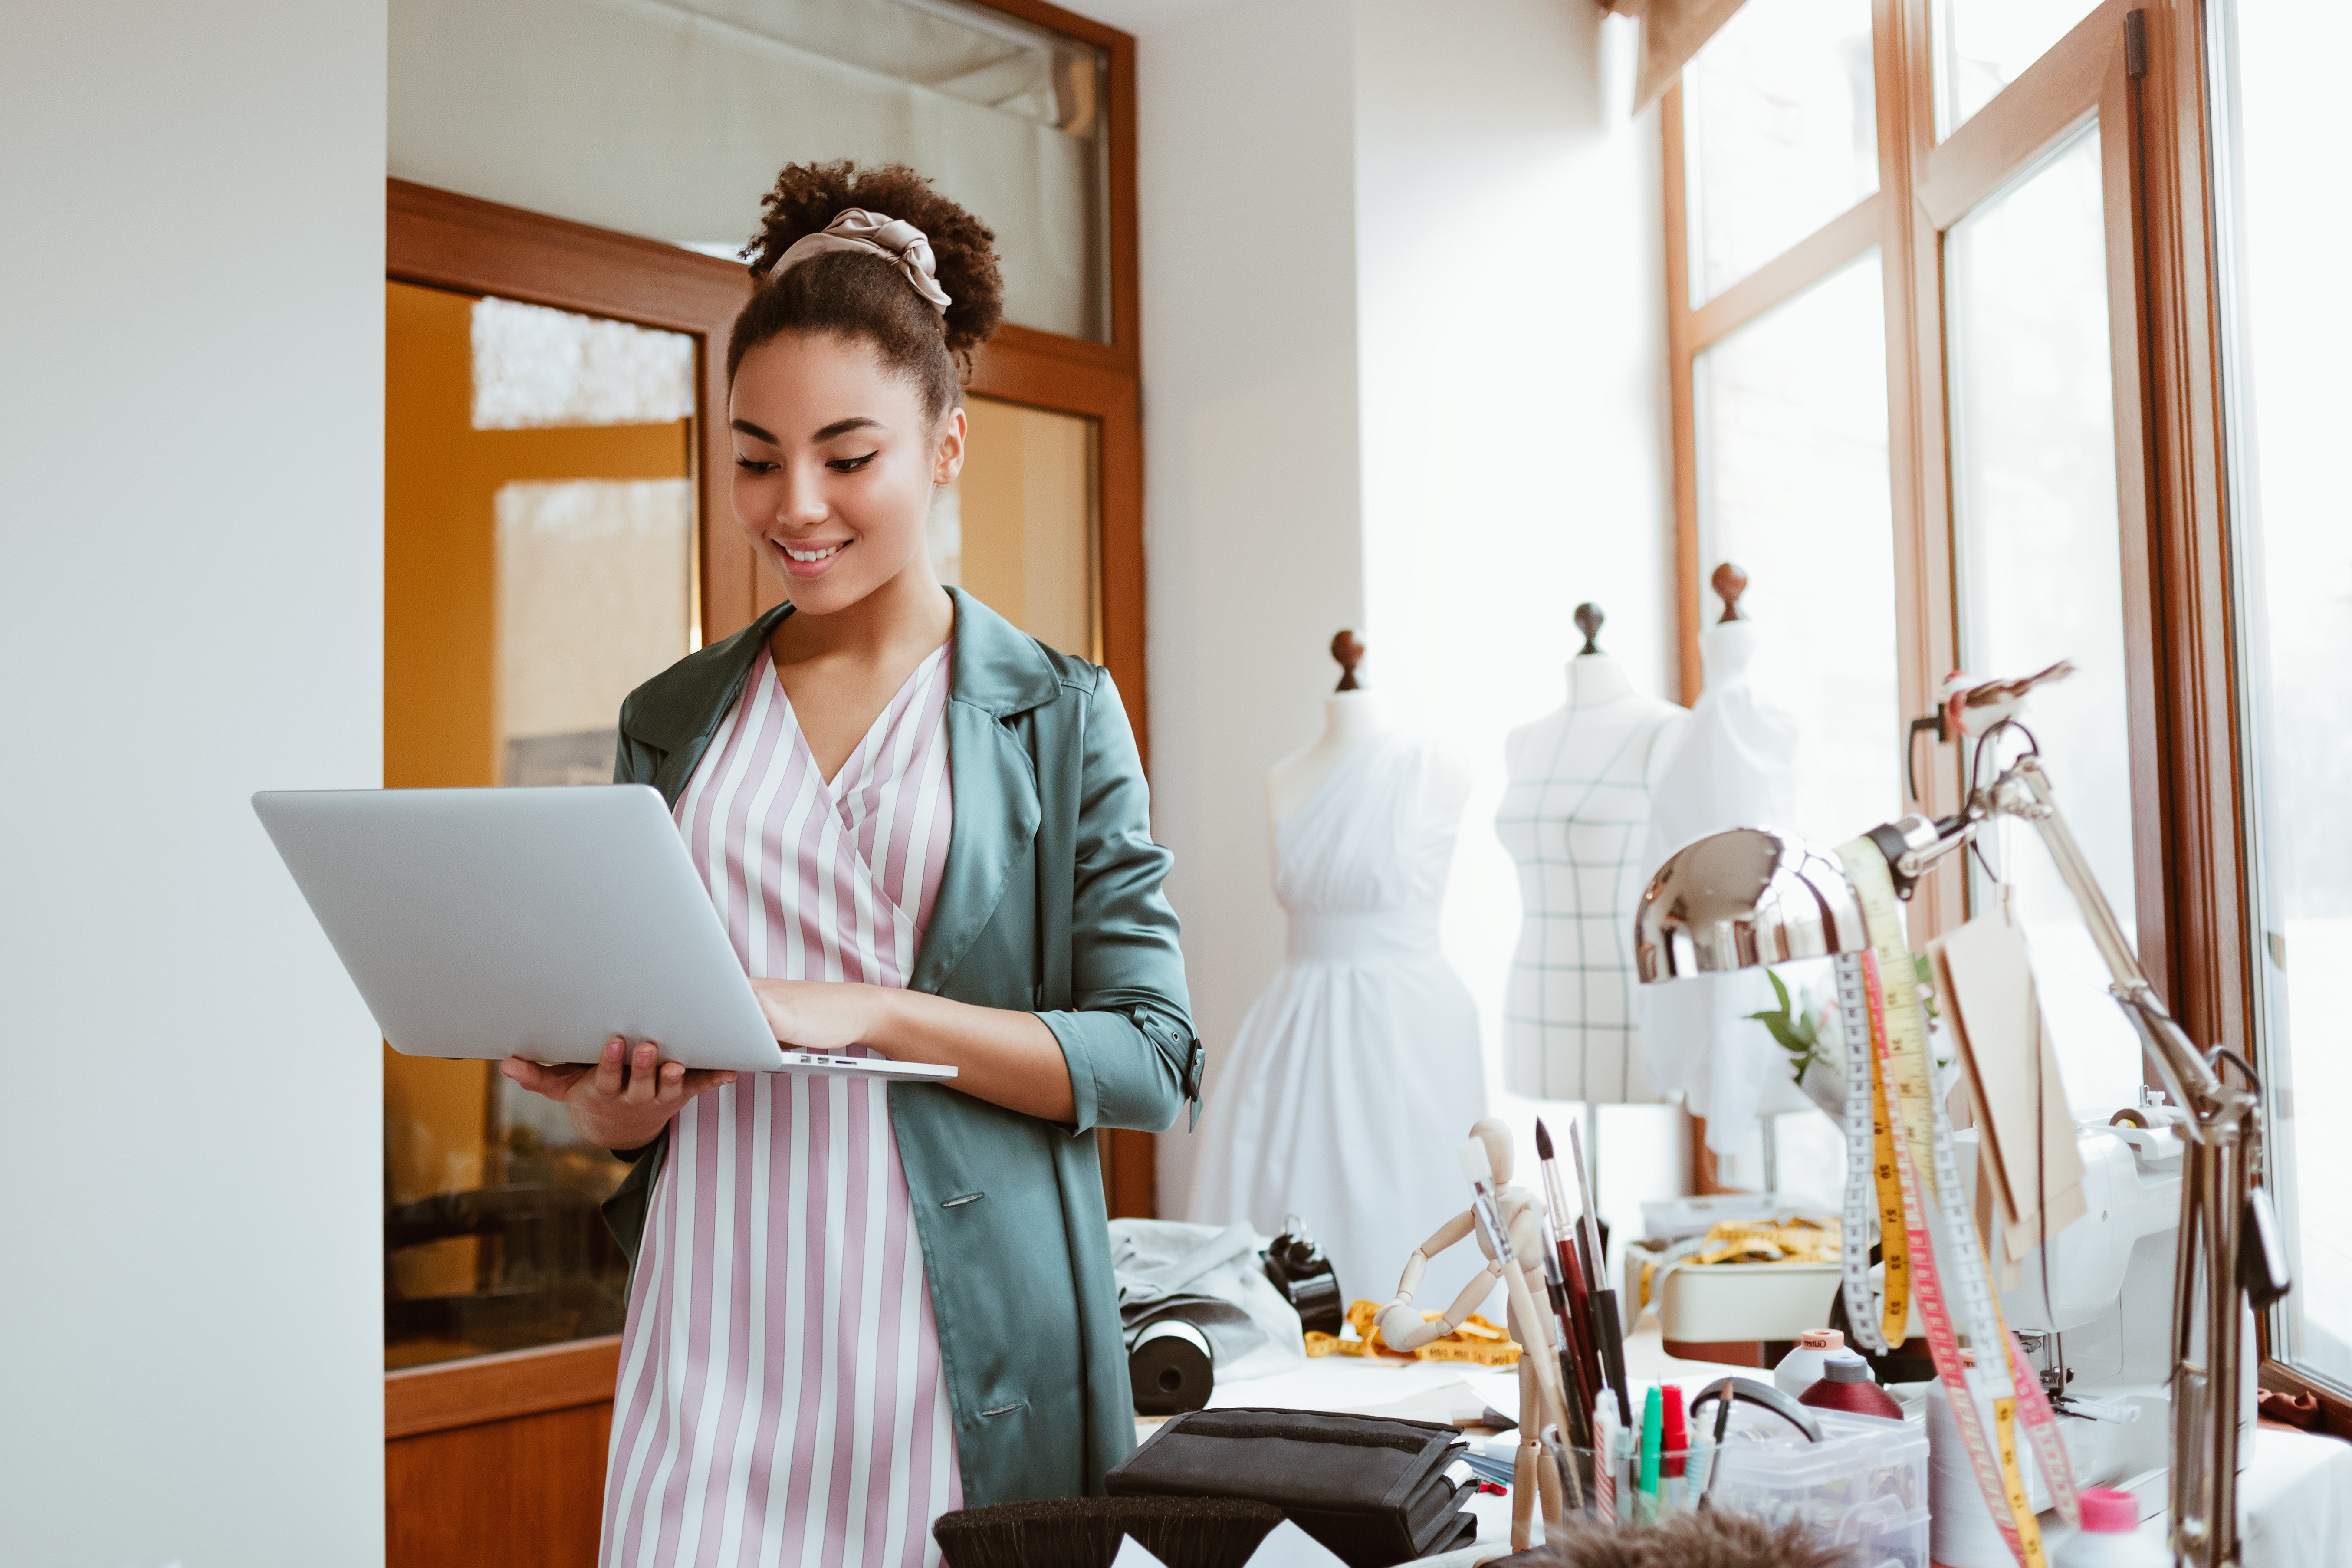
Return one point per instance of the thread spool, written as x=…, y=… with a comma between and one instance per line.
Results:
x=1802, y=1367
x=1845, y=1384
x=1171, y=1368
x=1960, y=1531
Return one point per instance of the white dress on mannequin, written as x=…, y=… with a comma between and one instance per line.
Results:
x=1736, y=767
x=1356, y=1073
x=1575, y=816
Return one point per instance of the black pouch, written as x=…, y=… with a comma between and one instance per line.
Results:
x=1373, y=1490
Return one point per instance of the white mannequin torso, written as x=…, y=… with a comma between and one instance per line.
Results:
x=1349, y=718
x=1574, y=815
x=1365, y=822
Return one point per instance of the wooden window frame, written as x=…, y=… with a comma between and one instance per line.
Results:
x=2148, y=91
x=440, y=239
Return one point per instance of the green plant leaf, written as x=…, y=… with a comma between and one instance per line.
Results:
x=1797, y=1035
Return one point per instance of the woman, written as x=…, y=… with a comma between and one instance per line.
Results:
x=926, y=833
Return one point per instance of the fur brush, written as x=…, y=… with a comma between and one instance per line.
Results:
x=1085, y=1532
x=1710, y=1539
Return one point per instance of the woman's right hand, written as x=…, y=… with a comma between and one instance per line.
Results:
x=626, y=1099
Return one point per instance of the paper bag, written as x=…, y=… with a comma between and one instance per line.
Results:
x=2010, y=1063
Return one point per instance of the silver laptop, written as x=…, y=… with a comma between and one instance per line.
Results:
x=531, y=922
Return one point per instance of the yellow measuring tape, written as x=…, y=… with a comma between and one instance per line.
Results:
x=1893, y=1235
x=1478, y=1341
x=1904, y=1126
x=1915, y=1088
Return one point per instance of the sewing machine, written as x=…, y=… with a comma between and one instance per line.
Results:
x=2099, y=1329
x=2098, y=1324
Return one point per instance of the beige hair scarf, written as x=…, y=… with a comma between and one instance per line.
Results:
x=895, y=241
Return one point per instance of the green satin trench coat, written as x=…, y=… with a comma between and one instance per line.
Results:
x=1050, y=903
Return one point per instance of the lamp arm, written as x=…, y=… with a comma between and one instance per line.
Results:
x=2217, y=1189
x=2025, y=791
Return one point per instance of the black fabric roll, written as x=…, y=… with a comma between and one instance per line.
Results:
x=1172, y=1368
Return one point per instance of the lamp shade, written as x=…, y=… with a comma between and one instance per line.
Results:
x=1742, y=897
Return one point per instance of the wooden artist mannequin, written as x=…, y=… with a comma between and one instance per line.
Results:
x=1541, y=1398
x=1350, y=717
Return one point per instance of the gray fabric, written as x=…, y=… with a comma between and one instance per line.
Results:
x=1213, y=1280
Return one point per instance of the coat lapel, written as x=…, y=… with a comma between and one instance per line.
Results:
x=999, y=672
x=671, y=718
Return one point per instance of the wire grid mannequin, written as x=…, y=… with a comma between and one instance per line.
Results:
x=1577, y=829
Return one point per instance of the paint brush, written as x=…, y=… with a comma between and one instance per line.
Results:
x=1573, y=1383
x=1573, y=1388
x=1609, y=1336
x=1563, y=1230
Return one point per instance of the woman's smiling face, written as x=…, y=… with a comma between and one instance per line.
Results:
x=836, y=465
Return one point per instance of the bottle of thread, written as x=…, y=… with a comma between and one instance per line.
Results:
x=2110, y=1536
x=1846, y=1386
x=1802, y=1367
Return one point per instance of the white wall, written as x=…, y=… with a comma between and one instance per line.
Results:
x=1252, y=507
x=1403, y=370
x=191, y=439
x=1511, y=321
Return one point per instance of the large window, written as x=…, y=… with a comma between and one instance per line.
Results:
x=1793, y=486
x=2101, y=233
x=2284, y=230
x=1914, y=253
x=2037, y=546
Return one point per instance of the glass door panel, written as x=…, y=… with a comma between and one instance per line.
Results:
x=2038, y=546
x=670, y=120
x=539, y=564
x=1793, y=486
x=1018, y=529
x=1780, y=114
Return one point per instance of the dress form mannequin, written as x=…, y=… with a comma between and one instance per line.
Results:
x=1350, y=717
x=1737, y=766
x=1575, y=816
x=1305, y=1116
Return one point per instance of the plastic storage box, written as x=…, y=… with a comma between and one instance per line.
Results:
x=1864, y=1485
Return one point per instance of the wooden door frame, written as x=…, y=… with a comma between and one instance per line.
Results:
x=440, y=239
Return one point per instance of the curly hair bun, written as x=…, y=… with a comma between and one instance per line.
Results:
x=864, y=296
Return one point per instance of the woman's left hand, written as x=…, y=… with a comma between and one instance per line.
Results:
x=821, y=1015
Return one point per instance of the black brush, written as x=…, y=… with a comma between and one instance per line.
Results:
x=1608, y=1334
x=1563, y=1307
x=1085, y=1532
x=1563, y=1228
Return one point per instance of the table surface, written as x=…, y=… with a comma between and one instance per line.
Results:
x=2296, y=1489
x=1357, y=1383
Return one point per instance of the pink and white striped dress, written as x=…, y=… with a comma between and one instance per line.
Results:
x=780, y=1401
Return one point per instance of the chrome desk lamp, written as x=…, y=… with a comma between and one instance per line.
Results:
x=1748, y=897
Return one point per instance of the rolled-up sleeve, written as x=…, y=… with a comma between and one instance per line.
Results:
x=1129, y=1038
